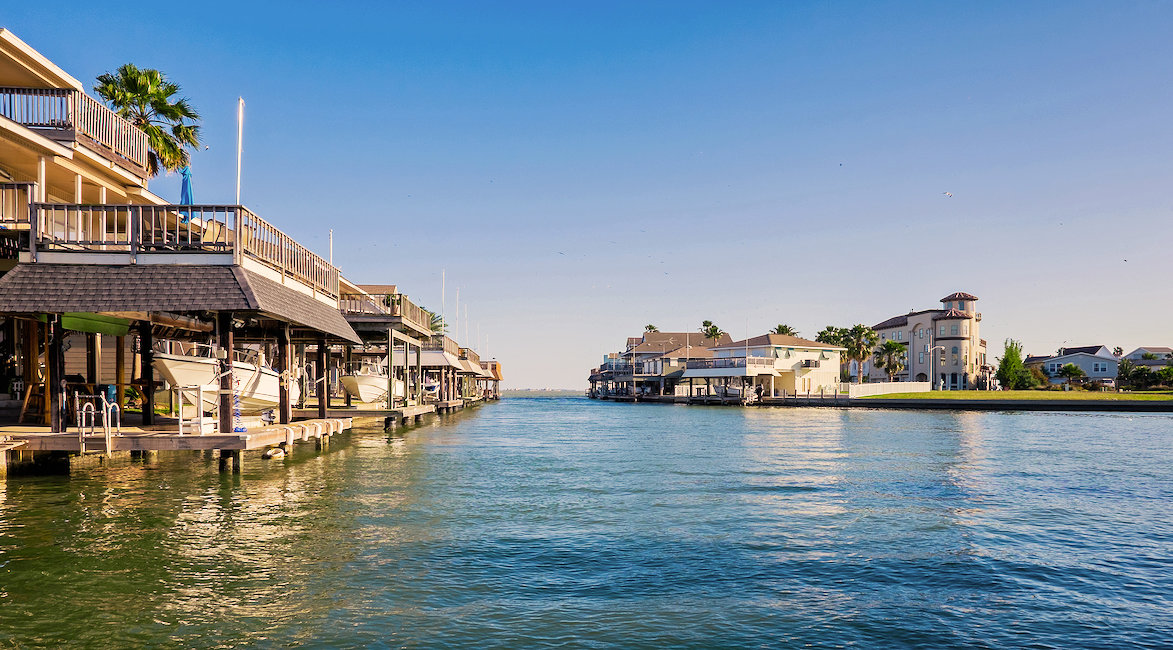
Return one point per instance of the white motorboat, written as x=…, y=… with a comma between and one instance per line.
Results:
x=366, y=381
x=257, y=385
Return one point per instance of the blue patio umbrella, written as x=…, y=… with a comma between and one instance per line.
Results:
x=185, y=193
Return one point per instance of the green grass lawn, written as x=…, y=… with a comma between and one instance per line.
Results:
x=1029, y=394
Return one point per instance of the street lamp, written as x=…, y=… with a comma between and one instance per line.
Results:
x=932, y=365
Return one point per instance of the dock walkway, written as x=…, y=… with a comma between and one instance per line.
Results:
x=39, y=438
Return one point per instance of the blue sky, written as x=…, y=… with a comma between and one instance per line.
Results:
x=582, y=169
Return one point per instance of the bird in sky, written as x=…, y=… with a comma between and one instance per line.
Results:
x=948, y=194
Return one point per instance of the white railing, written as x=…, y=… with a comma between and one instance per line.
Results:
x=731, y=362
x=71, y=112
x=143, y=229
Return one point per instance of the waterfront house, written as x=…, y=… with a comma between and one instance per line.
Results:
x=944, y=345
x=1096, y=361
x=86, y=247
x=652, y=363
x=1158, y=357
x=776, y=364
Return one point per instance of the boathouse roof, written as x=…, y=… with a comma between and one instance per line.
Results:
x=60, y=288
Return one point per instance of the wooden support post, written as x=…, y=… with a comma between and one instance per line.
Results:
x=346, y=361
x=320, y=376
x=120, y=370
x=230, y=461
x=92, y=343
x=304, y=388
x=146, y=344
x=390, y=370
x=284, y=407
x=224, y=344
x=419, y=374
x=55, y=364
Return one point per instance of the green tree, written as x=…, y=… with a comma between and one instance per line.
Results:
x=890, y=358
x=830, y=335
x=1011, y=373
x=651, y=328
x=859, y=340
x=710, y=330
x=1071, y=372
x=436, y=322
x=784, y=329
x=147, y=100
x=1149, y=356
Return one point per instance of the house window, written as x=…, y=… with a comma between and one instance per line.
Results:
x=920, y=333
x=965, y=329
x=926, y=347
x=942, y=330
x=883, y=336
x=922, y=357
x=899, y=336
x=953, y=329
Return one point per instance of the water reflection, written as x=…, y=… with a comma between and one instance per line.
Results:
x=567, y=522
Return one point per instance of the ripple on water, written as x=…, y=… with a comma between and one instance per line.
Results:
x=570, y=523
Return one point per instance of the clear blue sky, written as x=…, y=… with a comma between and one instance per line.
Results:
x=582, y=169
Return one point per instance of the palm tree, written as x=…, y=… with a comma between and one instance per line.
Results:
x=147, y=100
x=436, y=323
x=1071, y=371
x=890, y=357
x=785, y=329
x=651, y=328
x=830, y=335
x=859, y=340
x=710, y=330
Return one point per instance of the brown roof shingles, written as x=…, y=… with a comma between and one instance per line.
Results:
x=59, y=288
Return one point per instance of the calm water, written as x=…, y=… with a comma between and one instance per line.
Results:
x=570, y=523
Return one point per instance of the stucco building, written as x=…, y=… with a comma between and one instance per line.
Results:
x=944, y=345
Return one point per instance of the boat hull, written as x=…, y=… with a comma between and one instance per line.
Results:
x=258, y=387
x=369, y=389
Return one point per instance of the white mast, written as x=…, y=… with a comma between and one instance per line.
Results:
x=443, y=309
x=239, y=142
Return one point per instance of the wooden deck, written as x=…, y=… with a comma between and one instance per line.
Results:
x=39, y=438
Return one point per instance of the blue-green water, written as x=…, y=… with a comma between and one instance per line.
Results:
x=570, y=523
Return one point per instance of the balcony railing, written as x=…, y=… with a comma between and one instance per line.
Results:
x=14, y=204
x=386, y=304
x=730, y=362
x=178, y=229
x=65, y=113
x=471, y=355
x=445, y=344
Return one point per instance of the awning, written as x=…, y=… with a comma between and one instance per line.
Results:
x=470, y=367
x=43, y=288
x=430, y=359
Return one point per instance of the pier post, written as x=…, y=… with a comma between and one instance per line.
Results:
x=320, y=377
x=284, y=407
x=56, y=377
x=225, y=344
x=147, y=355
x=346, y=361
x=391, y=370
x=230, y=461
x=120, y=370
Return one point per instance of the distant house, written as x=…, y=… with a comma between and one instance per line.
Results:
x=652, y=363
x=773, y=363
x=1096, y=361
x=1163, y=357
x=944, y=345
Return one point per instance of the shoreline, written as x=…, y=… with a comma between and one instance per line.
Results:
x=1117, y=406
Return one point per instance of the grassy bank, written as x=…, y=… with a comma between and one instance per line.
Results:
x=1029, y=395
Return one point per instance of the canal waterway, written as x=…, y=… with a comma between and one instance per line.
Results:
x=563, y=522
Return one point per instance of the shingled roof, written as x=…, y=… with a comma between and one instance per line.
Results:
x=960, y=295
x=782, y=340
x=59, y=288
x=952, y=313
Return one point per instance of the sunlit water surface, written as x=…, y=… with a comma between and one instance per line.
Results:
x=571, y=523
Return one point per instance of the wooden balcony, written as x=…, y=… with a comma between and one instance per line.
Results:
x=172, y=234
x=15, y=199
x=445, y=344
x=731, y=362
x=394, y=308
x=71, y=115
